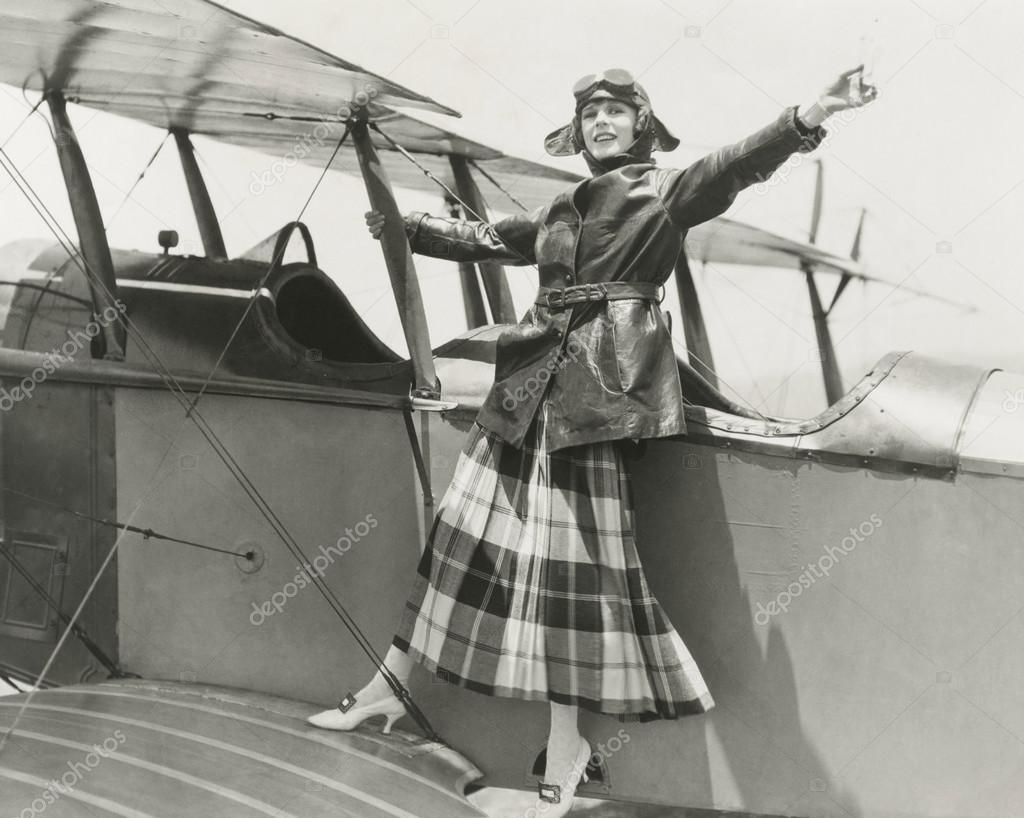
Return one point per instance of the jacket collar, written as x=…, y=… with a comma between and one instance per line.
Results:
x=638, y=152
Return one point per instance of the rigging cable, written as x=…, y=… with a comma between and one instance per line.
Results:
x=494, y=182
x=147, y=533
x=28, y=116
x=737, y=345
x=135, y=184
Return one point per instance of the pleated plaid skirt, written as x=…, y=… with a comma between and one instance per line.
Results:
x=530, y=586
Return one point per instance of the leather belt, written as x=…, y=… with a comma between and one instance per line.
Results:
x=561, y=297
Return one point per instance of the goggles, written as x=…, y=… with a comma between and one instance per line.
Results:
x=618, y=78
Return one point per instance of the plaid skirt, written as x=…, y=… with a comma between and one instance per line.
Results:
x=530, y=586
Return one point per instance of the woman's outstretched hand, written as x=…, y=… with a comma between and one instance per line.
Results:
x=849, y=90
x=375, y=223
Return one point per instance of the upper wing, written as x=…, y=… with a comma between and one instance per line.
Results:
x=171, y=62
x=198, y=67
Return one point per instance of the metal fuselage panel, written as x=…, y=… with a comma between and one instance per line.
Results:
x=859, y=631
x=840, y=615
x=58, y=450
x=343, y=483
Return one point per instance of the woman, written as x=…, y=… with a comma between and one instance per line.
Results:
x=530, y=585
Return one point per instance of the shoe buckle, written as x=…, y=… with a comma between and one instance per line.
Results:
x=347, y=703
x=552, y=793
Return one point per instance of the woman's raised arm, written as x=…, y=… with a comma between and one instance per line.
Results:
x=709, y=186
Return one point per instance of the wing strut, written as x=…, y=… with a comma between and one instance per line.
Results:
x=499, y=296
x=202, y=205
x=398, y=257
x=472, y=299
x=698, y=345
x=826, y=351
x=89, y=222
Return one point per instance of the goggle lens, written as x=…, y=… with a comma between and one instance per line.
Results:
x=616, y=77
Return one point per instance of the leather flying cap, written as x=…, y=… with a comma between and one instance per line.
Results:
x=615, y=83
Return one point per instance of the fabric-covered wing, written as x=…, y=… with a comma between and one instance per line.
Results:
x=531, y=183
x=178, y=62
x=724, y=241
x=194, y=65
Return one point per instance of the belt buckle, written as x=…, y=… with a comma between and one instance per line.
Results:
x=558, y=293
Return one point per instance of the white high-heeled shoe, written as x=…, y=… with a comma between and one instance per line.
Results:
x=564, y=791
x=346, y=716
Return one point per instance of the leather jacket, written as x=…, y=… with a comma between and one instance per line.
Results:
x=608, y=367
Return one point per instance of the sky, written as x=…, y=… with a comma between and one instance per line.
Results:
x=934, y=160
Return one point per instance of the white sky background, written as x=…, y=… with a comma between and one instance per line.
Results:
x=935, y=159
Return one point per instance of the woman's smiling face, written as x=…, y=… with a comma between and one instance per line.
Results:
x=607, y=126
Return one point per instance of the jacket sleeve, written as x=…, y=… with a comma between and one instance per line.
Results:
x=508, y=240
x=709, y=186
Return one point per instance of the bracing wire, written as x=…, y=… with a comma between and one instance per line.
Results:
x=147, y=533
x=498, y=185
x=138, y=179
x=28, y=116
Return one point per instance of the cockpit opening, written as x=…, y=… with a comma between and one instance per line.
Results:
x=318, y=316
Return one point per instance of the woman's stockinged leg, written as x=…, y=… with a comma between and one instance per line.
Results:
x=567, y=756
x=374, y=699
x=399, y=663
x=564, y=735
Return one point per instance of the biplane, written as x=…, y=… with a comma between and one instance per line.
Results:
x=217, y=479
